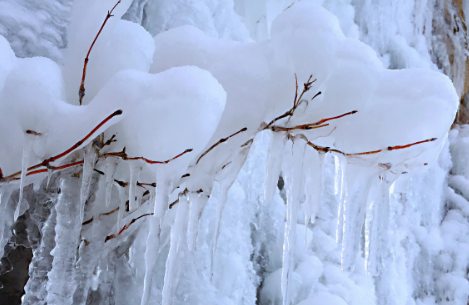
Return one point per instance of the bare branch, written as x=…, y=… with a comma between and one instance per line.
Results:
x=47, y=162
x=159, y=162
x=371, y=152
x=299, y=127
x=296, y=102
x=81, y=92
x=220, y=142
x=109, y=237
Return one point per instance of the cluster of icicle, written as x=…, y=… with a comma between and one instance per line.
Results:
x=180, y=111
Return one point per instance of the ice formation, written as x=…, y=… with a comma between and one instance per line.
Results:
x=288, y=91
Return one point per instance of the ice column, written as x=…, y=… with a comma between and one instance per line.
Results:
x=292, y=169
x=61, y=284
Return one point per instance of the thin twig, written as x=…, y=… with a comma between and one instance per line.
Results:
x=296, y=103
x=220, y=142
x=71, y=149
x=299, y=127
x=109, y=237
x=371, y=152
x=44, y=170
x=159, y=162
x=81, y=92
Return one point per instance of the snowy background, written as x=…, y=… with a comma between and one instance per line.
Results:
x=423, y=254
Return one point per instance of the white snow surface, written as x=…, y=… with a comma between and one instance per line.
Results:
x=342, y=227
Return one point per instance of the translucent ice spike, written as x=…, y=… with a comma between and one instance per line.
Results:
x=274, y=163
x=27, y=151
x=88, y=168
x=358, y=187
x=177, y=237
x=109, y=172
x=151, y=255
x=376, y=226
x=341, y=190
x=135, y=169
x=292, y=169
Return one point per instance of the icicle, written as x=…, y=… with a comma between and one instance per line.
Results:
x=122, y=207
x=151, y=255
x=109, y=172
x=61, y=284
x=88, y=260
x=106, y=278
x=164, y=185
x=313, y=184
x=153, y=239
x=358, y=181
x=177, y=237
x=5, y=192
x=274, y=163
x=228, y=177
x=152, y=196
x=376, y=226
x=196, y=205
x=27, y=150
x=135, y=169
x=312, y=169
x=41, y=264
x=88, y=168
x=341, y=190
x=292, y=168
x=222, y=197
x=49, y=176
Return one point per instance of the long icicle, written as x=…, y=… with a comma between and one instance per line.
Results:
x=226, y=181
x=61, y=284
x=154, y=235
x=177, y=237
x=341, y=191
x=88, y=169
x=376, y=227
x=27, y=150
x=135, y=169
x=358, y=181
x=292, y=169
x=109, y=172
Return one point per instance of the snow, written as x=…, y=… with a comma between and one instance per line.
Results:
x=342, y=226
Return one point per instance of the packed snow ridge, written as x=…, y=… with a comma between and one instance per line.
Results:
x=198, y=103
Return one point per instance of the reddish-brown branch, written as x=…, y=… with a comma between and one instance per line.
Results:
x=220, y=142
x=81, y=92
x=109, y=213
x=330, y=119
x=409, y=145
x=365, y=153
x=75, y=146
x=296, y=102
x=299, y=127
x=306, y=88
x=311, y=125
x=109, y=237
x=79, y=143
x=371, y=152
x=44, y=170
x=159, y=162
